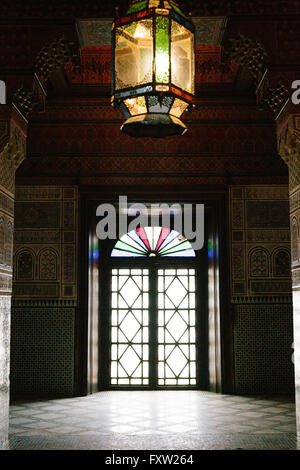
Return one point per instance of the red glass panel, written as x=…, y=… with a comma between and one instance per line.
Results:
x=135, y=17
x=143, y=236
x=182, y=94
x=164, y=233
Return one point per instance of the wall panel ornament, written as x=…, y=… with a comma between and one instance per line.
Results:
x=42, y=359
x=48, y=264
x=263, y=337
x=25, y=265
x=282, y=262
x=260, y=237
x=259, y=260
x=46, y=225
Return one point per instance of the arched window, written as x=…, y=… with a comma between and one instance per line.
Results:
x=153, y=241
x=151, y=291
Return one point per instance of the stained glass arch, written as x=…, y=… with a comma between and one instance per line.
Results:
x=153, y=241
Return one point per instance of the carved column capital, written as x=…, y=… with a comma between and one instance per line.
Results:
x=289, y=139
x=289, y=147
x=275, y=97
x=11, y=156
x=55, y=56
x=248, y=53
x=25, y=101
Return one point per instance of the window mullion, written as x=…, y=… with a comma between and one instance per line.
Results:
x=153, y=326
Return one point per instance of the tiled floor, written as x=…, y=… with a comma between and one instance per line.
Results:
x=154, y=420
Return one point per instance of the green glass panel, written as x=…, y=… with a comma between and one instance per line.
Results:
x=124, y=246
x=182, y=246
x=138, y=6
x=177, y=9
x=130, y=28
x=162, y=50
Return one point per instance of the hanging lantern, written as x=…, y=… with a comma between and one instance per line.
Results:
x=153, y=68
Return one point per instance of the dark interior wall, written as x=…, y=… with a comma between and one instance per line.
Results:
x=44, y=291
x=261, y=289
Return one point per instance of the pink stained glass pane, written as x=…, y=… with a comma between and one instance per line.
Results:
x=163, y=234
x=142, y=234
x=134, y=235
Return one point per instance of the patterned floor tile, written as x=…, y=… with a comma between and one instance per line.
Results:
x=148, y=414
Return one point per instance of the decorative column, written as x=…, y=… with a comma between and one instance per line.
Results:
x=10, y=158
x=289, y=149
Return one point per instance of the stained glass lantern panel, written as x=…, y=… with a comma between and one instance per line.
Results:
x=182, y=57
x=133, y=54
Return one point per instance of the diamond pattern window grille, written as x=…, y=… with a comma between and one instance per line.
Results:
x=129, y=327
x=176, y=327
x=175, y=318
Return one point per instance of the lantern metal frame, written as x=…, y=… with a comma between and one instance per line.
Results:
x=149, y=123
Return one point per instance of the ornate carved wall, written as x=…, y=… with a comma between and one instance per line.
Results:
x=10, y=158
x=289, y=148
x=261, y=289
x=44, y=291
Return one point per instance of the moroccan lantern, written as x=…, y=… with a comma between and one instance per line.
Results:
x=153, y=68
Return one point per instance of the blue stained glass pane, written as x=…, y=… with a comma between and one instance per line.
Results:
x=124, y=254
x=120, y=245
x=173, y=234
x=180, y=19
x=186, y=253
x=135, y=236
x=185, y=245
x=134, y=92
x=130, y=241
x=124, y=110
